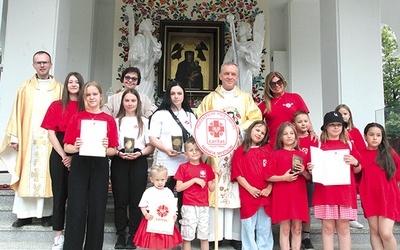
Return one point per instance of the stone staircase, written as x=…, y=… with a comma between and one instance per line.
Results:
x=37, y=237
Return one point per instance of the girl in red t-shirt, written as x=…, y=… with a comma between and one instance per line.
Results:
x=88, y=178
x=249, y=169
x=357, y=140
x=336, y=205
x=379, y=190
x=286, y=169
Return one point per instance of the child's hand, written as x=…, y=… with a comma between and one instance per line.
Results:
x=299, y=168
x=310, y=167
x=175, y=217
x=314, y=136
x=255, y=192
x=350, y=160
x=148, y=216
x=217, y=171
x=289, y=176
x=78, y=143
x=105, y=142
x=266, y=191
x=200, y=182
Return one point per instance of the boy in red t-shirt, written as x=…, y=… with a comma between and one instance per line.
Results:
x=301, y=121
x=193, y=178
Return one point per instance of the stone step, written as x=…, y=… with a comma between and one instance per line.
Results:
x=36, y=237
x=110, y=246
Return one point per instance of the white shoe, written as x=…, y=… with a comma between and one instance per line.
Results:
x=356, y=224
x=58, y=243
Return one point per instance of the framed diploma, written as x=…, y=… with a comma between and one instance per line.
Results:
x=92, y=134
x=163, y=212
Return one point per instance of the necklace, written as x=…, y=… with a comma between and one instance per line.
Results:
x=277, y=99
x=92, y=117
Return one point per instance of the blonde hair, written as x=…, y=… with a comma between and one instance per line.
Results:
x=268, y=94
x=94, y=84
x=350, y=124
x=343, y=137
x=158, y=169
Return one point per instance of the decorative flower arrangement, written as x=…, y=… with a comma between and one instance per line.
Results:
x=213, y=10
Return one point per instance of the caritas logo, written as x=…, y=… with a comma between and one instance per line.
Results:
x=162, y=211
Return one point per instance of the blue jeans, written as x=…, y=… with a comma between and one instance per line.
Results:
x=257, y=232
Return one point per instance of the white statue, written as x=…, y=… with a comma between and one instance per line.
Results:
x=144, y=52
x=244, y=52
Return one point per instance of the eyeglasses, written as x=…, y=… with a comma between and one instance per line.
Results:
x=128, y=79
x=279, y=83
x=40, y=63
x=335, y=125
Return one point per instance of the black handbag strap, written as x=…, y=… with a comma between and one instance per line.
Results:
x=185, y=132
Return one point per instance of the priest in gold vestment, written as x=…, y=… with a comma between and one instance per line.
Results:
x=26, y=148
x=240, y=105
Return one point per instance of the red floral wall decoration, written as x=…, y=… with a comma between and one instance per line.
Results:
x=213, y=10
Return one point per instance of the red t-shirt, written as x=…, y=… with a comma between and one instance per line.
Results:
x=357, y=139
x=74, y=127
x=305, y=143
x=289, y=199
x=252, y=166
x=195, y=195
x=56, y=118
x=282, y=110
x=379, y=196
x=344, y=195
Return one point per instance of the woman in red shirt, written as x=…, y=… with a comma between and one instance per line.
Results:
x=55, y=121
x=279, y=106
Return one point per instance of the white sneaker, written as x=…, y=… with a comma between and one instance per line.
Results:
x=58, y=243
x=356, y=224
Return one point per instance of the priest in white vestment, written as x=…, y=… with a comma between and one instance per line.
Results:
x=240, y=105
x=26, y=148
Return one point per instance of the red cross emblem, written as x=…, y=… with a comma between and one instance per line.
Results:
x=216, y=128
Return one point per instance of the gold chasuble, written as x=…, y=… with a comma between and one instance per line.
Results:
x=29, y=167
x=241, y=107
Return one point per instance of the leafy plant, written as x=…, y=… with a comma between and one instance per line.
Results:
x=391, y=81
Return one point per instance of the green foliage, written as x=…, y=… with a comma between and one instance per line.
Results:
x=391, y=81
x=392, y=125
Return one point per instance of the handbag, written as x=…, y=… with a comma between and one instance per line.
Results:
x=185, y=134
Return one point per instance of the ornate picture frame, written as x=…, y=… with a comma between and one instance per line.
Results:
x=192, y=54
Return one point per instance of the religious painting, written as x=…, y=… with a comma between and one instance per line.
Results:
x=192, y=54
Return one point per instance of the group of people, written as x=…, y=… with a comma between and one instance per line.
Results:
x=266, y=180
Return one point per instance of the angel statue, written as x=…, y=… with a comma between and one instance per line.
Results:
x=144, y=52
x=244, y=52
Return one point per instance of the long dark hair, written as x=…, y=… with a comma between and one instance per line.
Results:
x=384, y=157
x=167, y=102
x=122, y=112
x=247, y=141
x=65, y=99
